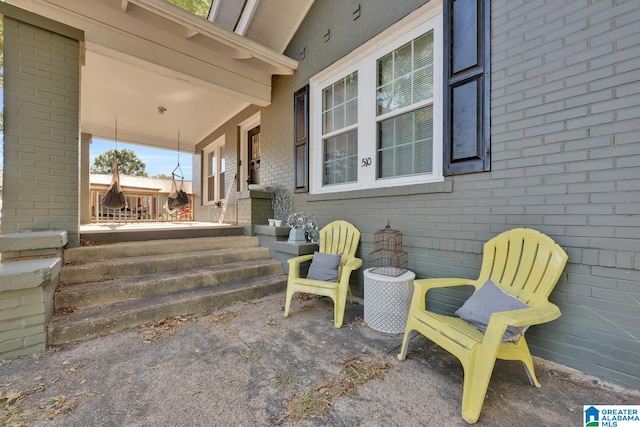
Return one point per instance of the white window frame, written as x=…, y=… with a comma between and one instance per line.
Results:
x=216, y=147
x=364, y=60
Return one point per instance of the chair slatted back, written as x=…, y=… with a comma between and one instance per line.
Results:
x=524, y=262
x=340, y=237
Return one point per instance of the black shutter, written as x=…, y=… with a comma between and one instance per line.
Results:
x=301, y=136
x=466, y=86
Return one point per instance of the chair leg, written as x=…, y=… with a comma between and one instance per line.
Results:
x=288, y=298
x=405, y=340
x=527, y=361
x=477, y=373
x=338, y=311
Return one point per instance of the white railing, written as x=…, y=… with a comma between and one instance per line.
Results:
x=141, y=207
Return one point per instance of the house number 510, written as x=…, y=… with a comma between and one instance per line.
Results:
x=366, y=161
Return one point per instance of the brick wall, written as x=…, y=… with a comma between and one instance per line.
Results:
x=565, y=155
x=22, y=330
x=41, y=130
x=565, y=152
x=565, y=160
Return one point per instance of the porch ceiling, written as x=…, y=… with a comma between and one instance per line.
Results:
x=143, y=54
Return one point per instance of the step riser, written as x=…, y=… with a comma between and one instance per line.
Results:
x=109, y=271
x=103, y=325
x=116, y=287
x=169, y=232
x=102, y=293
x=157, y=247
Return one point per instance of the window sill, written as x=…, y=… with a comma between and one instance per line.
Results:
x=403, y=190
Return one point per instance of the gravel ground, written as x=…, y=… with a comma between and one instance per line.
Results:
x=246, y=365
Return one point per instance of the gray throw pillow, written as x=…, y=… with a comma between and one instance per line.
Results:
x=490, y=299
x=324, y=267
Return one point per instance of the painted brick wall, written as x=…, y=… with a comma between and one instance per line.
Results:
x=41, y=133
x=566, y=147
x=565, y=140
x=22, y=328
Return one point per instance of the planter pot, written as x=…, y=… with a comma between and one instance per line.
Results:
x=296, y=235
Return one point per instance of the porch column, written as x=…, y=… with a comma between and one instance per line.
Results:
x=85, y=175
x=41, y=118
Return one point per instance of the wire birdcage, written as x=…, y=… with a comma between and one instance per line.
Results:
x=387, y=257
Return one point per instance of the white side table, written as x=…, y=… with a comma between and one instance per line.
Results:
x=387, y=300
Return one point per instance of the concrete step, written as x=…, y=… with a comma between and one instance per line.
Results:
x=112, y=287
x=98, y=320
x=147, y=232
x=139, y=265
x=87, y=254
x=69, y=297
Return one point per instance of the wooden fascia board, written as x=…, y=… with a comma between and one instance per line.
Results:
x=281, y=63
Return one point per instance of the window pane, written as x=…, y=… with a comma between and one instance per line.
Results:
x=385, y=68
x=340, y=104
x=404, y=129
x=211, y=188
x=385, y=98
x=327, y=98
x=351, y=82
x=327, y=121
x=405, y=144
x=386, y=131
x=340, y=158
x=212, y=164
x=423, y=51
x=405, y=76
x=403, y=158
x=338, y=93
x=423, y=84
x=351, y=112
x=402, y=93
x=221, y=189
x=402, y=59
x=338, y=117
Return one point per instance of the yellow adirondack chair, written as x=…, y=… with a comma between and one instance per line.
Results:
x=338, y=237
x=524, y=263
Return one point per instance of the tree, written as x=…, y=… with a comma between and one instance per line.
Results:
x=128, y=163
x=197, y=7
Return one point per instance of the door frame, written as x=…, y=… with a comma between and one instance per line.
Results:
x=243, y=158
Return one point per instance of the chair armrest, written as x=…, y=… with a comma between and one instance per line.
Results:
x=527, y=316
x=424, y=285
x=500, y=320
x=299, y=259
x=294, y=265
x=353, y=264
x=347, y=269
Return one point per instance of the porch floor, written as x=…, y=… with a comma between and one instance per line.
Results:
x=109, y=232
x=246, y=365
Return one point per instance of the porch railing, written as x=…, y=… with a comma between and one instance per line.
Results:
x=141, y=207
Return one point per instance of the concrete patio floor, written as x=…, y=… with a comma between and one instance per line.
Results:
x=246, y=365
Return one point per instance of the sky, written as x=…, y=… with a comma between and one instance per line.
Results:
x=157, y=161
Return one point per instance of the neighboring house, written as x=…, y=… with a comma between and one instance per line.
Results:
x=452, y=119
x=138, y=183
x=534, y=124
x=146, y=197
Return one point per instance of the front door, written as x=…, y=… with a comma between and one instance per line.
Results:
x=253, y=174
